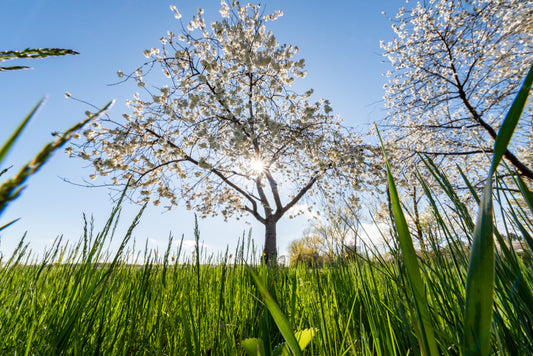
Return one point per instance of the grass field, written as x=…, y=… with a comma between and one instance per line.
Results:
x=81, y=300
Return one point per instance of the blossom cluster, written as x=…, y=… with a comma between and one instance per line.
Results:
x=456, y=67
x=226, y=102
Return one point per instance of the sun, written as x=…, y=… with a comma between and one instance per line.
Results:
x=257, y=165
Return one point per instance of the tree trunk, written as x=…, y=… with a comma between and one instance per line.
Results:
x=270, y=252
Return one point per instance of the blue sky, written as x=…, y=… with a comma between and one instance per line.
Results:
x=338, y=39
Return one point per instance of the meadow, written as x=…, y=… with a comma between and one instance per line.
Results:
x=71, y=302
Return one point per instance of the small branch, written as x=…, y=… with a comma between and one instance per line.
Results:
x=141, y=175
x=295, y=200
x=213, y=170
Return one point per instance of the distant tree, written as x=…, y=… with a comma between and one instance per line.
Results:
x=338, y=231
x=224, y=132
x=332, y=237
x=306, y=250
x=457, y=65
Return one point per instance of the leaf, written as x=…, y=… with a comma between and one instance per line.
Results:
x=253, y=347
x=526, y=194
x=426, y=336
x=480, y=280
x=480, y=277
x=278, y=316
x=511, y=122
x=304, y=337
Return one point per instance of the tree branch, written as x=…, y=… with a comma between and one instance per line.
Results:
x=213, y=170
x=274, y=189
x=477, y=117
x=295, y=200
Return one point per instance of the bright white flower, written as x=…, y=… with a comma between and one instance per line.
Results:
x=224, y=10
x=176, y=12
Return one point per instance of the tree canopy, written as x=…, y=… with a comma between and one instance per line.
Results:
x=456, y=67
x=220, y=129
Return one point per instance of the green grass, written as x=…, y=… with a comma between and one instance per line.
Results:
x=78, y=299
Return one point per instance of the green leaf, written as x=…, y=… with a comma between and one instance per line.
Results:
x=511, y=122
x=253, y=347
x=426, y=336
x=526, y=194
x=304, y=337
x=480, y=277
x=11, y=140
x=480, y=281
x=468, y=185
x=278, y=316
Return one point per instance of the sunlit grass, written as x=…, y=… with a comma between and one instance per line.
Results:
x=80, y=299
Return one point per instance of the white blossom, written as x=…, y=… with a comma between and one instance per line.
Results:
x=227, y=101
x=457, y=66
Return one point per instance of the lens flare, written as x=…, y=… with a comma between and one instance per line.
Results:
x=257, y=165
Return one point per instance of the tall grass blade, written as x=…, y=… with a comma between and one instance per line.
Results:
x=5, y=226
x=11, y=189
x=426, y=333
x=277, y=315
x=526, y=194
x=480, y=277
x=31, y=53
x=480, y=281
x=511, y=121
x=11, y=140
x=469, y=185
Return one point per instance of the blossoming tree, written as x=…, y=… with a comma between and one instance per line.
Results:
x=457, y=64
x=224, y=132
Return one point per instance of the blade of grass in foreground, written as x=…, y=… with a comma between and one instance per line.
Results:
x=277, y=315
x=11, y=189
x=5, y=226
x=11, y=140
x=480, y=277
x=528, y=197
x=526, y=194
x=426, y=335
